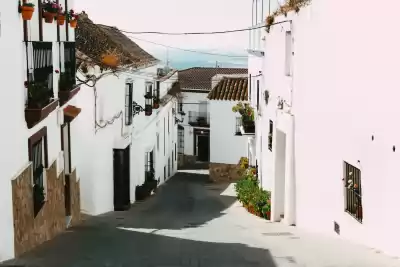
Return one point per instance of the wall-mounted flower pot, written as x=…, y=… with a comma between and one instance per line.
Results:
x=49, y=17
x=35, y=115
x=27, y=12
x=66, y=95
x=148, y=110
x=73, y=23
x=156, y=105
x=60, y=20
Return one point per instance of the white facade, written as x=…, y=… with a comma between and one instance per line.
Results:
x=13, y=69
x=329, y=107
x=97, y=144
x=190, y=103
x=225, y=146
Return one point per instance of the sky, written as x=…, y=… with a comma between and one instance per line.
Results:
x=176, y=16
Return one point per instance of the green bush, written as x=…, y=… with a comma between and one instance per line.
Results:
x=249, y=193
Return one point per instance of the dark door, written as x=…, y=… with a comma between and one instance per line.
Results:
x=66, y=147
x=122, y=179
x=203, y=146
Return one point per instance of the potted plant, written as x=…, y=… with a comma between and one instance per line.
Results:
x=50, y=10
x=270, y=20
x=266, y=210
x=26, y=10
x=38, y=95
x=72, y=18
x=61, y=17
x=247, y=113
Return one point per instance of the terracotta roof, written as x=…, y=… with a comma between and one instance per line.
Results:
x=200, y=78
x=233, y=89
x=94, y=40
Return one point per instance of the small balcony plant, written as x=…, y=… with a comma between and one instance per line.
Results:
x=50, y=10
x=38, y=95
x=247, y=113
x=72, y=18
x=26, y=10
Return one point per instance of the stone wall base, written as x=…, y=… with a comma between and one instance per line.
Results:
x=31, y=231
x=220, y=172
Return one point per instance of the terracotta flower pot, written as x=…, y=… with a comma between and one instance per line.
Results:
x=27, y=12
x=156, y=105
x=73, y=23
x=109, y=60
x=60, y=20
x=48, y=17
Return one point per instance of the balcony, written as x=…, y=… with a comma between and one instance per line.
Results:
x=199, y=119
x=67, y=84
x=248, y=127
x=40, y=101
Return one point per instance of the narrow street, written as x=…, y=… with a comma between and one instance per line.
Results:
x=190, y=222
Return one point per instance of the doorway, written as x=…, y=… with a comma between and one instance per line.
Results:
x=280, y=173
x=122, y=198
x=66, y=148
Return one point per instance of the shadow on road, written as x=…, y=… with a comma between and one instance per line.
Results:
x=187, y=200
x=90, y=246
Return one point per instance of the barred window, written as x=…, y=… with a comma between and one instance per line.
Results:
x=128, y=103
x=353, y=193
x=270, y=134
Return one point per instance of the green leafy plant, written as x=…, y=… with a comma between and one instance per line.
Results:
x=245, y=110
x=28, y=4
x=38, y=95
x=72, y=15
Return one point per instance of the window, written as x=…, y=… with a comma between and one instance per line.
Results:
x=128, y=103
x=156, y=95
x=180, y=106
x=353, y=193
x=181, y=140
x=175, y=151
x=288, y=53
x=165, y=173
x=37, y=146
x=238, y=124
x=148, y=107
x=249, y=86
x=172, y=161
x=258, y=94
x=270, y=134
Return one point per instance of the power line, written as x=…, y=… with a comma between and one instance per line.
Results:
x=187, y=50
x=192, y=33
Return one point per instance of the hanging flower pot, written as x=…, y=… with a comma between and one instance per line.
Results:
x=27, y=10
x=48, y=17
x=110, y=61
x=73, y=23
x=60, y=19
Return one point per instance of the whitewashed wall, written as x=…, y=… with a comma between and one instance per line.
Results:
x=14, y=141
x=340, y=103
x=225, y=147
x=190, y=103
x=97, y=174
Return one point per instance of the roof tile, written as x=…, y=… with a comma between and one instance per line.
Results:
x=231, y=89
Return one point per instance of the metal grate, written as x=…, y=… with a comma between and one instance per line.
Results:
x=353, y=193
x=238, y=124
x=270, y=134
x=128, y=103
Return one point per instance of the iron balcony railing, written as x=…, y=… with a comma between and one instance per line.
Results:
x=352, y=184
x=238, y=124
x=200, y=119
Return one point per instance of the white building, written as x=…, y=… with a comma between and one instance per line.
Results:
x=194, y=133
x=332, y=161
x=227, y=143
x=124, y=139
x=40, y=195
